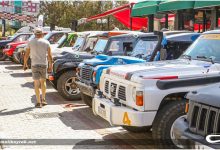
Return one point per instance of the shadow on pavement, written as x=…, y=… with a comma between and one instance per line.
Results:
x=119, y=140
x=6, y=63
x=28, y=85
x=53, y=98
x=31, y=85
x=14, y=67
x=21, y=75
x=82, y=118
x=14, y=112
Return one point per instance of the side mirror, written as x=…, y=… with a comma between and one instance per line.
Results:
x=109, y=53
x=163, y=54
x=88, y=49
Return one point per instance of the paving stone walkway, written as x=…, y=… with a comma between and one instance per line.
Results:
x=60, y=125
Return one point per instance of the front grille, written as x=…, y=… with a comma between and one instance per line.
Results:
x=86, y=73
x=203, y=119
x=122, y=93
x=107, y=87
x=113, y=88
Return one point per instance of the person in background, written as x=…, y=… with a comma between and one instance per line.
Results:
x=41, y=63
x=115, y=28
x=144, y=29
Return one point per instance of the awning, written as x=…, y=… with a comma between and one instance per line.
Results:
x=171, y=5
x=145, y=8
x=124, y=18
x=202, y=4
x=109, y=12
x=122, y=14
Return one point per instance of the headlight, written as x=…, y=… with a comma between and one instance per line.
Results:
x=94, y=76
x=134, y=93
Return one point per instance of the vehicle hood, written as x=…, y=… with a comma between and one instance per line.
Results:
x=112, y=60
x=74, y=56
x=61, y=51
x=209, y=95
x=179, y=68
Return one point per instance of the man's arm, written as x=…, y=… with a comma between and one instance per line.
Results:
x=50, y=60
x=27, y=54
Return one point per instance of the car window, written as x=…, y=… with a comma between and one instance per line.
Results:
x=79, y=42
x=144, y=47
x=207, y=46
x=100, y=45
x=90, y=43
x=114, y=46
x=22, y=37
x=62, y=40
x=55, y=38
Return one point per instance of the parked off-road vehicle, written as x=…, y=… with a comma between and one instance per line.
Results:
x=151, y=95
x=86, y=46
x=16, y=38
x=53, y=37
x=200, y=128
x=172, y=44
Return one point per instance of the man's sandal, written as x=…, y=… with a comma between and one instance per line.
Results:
x=38, y=105
x=44, y=103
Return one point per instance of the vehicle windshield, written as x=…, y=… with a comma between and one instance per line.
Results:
x=205, y=48
x=78, y=43
x=100, y=45
x=61, y=40
x=90, y=44
x=47, y=36
x=144, y=47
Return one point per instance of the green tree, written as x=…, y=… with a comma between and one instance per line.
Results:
x=61, y=13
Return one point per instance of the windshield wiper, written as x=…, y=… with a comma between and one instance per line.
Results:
x=204, y=57
x=187, y=56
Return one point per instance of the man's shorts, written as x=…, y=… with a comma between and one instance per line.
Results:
x=39, y=72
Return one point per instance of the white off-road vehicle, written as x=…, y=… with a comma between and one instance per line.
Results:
x=151, y=95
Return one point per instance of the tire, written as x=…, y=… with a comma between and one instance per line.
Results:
x=2, y=55
x=136, y=129
x=64, y=83
x=161, y=129
x=87, y=99
x=15, y=60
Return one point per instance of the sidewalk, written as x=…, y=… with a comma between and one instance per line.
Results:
x=61, y=119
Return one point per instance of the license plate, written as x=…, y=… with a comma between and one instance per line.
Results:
x=102, y=112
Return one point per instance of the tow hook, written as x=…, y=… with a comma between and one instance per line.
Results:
x=116, y=102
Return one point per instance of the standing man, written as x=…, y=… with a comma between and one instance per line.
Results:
x=40, y=54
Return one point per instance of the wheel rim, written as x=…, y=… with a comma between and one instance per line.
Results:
x=71, y=87
x=172, y=135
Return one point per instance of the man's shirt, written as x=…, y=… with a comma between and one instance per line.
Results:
x=38, y=51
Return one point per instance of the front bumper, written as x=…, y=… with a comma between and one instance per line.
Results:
x=189, y=140
x=121, y=115
x=86, y=89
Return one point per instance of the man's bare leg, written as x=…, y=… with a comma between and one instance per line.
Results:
x=37, y=90
x=43, y=90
